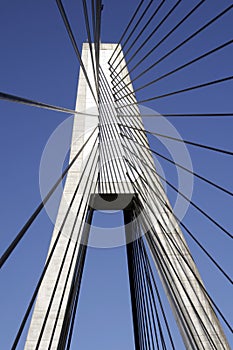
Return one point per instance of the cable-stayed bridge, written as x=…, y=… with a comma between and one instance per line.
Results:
x=111, y=167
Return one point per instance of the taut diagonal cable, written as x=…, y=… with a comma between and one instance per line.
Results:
x=25, y=101
x=209, y=23
x=22, y=232
x=152, y=33
x=190, y=88
x=211, y=148
x=189, y=63
x=125, y=31
x=73, y=41
x=141, y=31
x=87, y=23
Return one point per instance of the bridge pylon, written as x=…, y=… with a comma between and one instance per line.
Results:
x=115, y=172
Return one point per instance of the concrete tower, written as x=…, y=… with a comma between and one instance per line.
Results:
x=109, y=175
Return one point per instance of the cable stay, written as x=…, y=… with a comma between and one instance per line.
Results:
x=141, y=161
x=98, y=10
x=172, y=93
x=70, y=312
x=170, y=281
x=176, y=69
x=88, y=30
x=163, y=260
x=73, y=41
x=182, y=167
x=217, y=265
x=77, y=272
x=58, y=278
x=177, y=248
x=221, y=14
x=192, y=332
x=136, y=115
x=179, y=140
x=108, y=117
x=166, y=36
x=25, y=101
x=125, y=31
x=175, y=115
x=132, y=32
x=148, y=327
x=93, y=16
x=150, y=279
x=151, y=34
x=22, y=232
x=141, y=31
x=68, y=324
x=150, y=294
x=33, y=298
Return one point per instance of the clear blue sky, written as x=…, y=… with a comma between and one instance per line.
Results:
x=38, y=62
